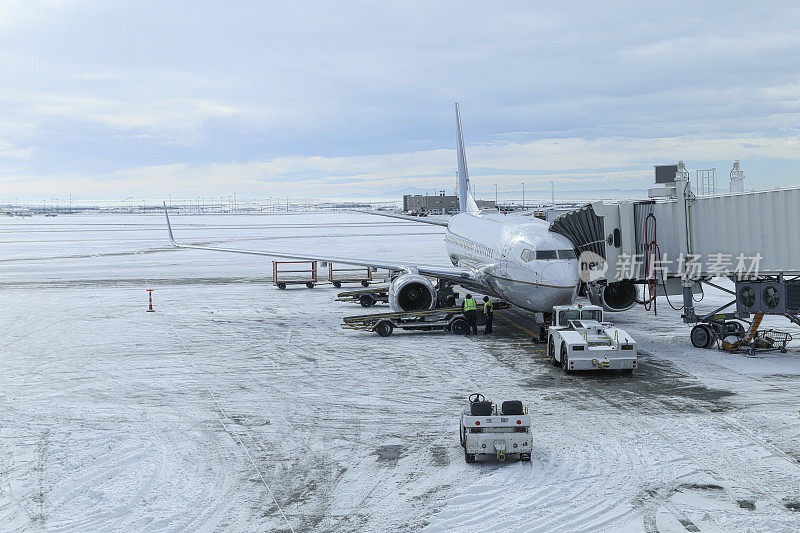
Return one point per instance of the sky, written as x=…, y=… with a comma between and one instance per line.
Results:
x=108, y=100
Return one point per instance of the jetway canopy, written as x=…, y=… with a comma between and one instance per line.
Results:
x=721, y=230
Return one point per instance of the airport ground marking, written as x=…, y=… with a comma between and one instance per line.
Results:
x=519, y=326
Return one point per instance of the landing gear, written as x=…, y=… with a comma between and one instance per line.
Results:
x=445, y=296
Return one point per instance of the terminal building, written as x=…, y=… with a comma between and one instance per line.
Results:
x=438, y=204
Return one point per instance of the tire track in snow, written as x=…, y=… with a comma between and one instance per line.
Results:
x=232, y=434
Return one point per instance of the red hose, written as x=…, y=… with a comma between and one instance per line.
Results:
x=650, y=251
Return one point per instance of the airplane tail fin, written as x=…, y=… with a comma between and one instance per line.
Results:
x=465, y=201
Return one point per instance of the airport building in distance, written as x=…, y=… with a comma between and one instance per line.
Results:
x=438, y=204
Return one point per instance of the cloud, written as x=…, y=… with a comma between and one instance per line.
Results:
x=9, y=151
x=277, y=98
x=624, y=163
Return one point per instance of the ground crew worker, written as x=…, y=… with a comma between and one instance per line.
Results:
x=488, y=311
x=470, y=308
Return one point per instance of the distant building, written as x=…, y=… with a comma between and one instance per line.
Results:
x=437, y=204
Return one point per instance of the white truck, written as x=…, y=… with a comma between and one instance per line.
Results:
x=580, y=340
x=485, y=431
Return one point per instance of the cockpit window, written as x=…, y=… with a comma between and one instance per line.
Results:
x=529, y=255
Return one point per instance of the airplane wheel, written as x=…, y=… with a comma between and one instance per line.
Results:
x=565, y=359
x=384, y=328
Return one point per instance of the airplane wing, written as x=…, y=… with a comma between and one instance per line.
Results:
x=424, y=220
x=455, y=275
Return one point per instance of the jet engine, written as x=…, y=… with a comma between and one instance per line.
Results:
x=619, y=296
x=411, y=292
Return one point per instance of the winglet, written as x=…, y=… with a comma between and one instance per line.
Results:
x=169, y=227
x=465, y=201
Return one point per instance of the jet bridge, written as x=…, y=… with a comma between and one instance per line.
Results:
x=763, y=225
x=674, y=241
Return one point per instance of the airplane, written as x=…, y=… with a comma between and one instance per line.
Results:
x=511, y=257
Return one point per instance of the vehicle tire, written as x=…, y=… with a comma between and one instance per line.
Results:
x=384, y=328
x=701, y=336
x=712, y=337
x=469, y=457
x=565, y=359
x=461, y=437
x=525, y=457
x=450, y=301
x=337, y=284
x=366, y=300
x=310, y=285
x=459, y=326
x=551, y=351
x=365, y=283
x=282, y=286
x=736, y=328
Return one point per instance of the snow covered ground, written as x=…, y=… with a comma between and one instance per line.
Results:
x=239, y=407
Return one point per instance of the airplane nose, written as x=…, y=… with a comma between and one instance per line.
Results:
x=560, y=274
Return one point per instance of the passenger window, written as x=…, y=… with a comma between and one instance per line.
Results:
x=545, y=254
x=566, y=254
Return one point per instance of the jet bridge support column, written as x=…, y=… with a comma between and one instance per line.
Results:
x=684, y=195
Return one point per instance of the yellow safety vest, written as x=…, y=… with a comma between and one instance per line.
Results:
x=488, y=307
x=470, y=305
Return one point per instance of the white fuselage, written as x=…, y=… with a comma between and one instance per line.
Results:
x=517, y=258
